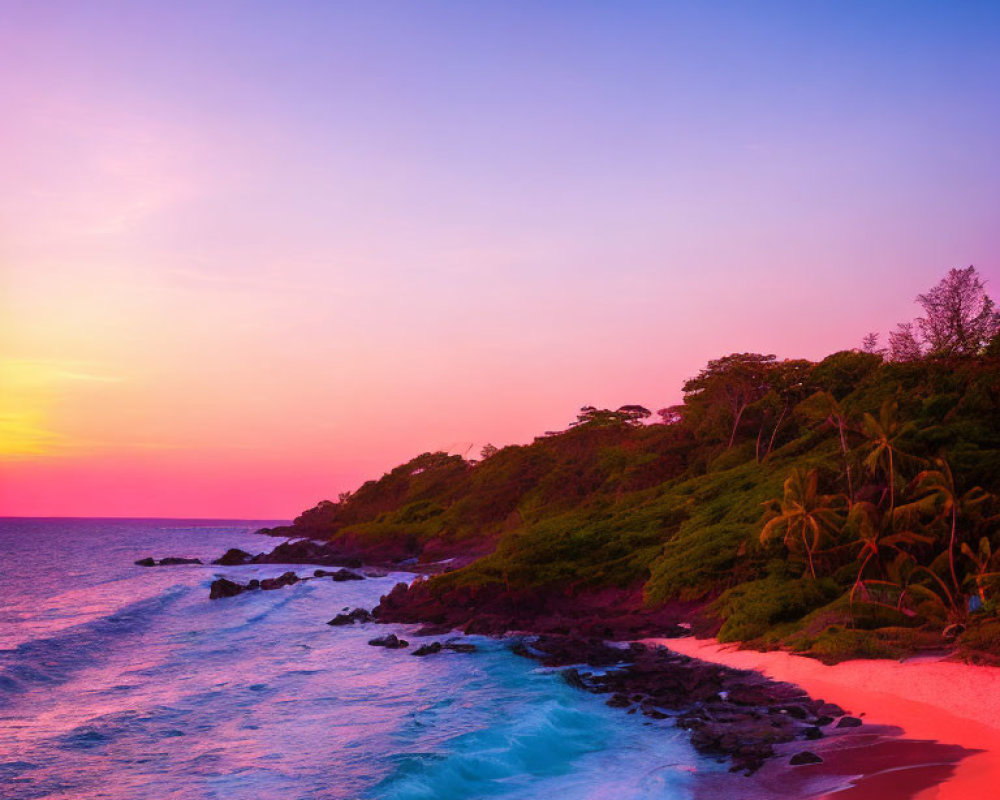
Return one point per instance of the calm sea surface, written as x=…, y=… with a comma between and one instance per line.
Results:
x=123, y=682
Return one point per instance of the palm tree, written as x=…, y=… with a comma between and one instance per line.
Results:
x=934, y=494
x=900, y=575
x=883, y=434
x=876, y=535
x=803, y=514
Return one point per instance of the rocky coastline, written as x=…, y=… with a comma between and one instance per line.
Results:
x=738, y=717
x=732, y=714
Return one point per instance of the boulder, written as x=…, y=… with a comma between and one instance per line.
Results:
x=306, y=551
x=390, y=641
x=427, y=649
x=170, y=561
x=346, y=575
x=849, y=722
x=233, y=557
x=573, y=678
x=340, y=575
x=805, y=757
x=222, y=587
x=357, y=615
x=286, y=579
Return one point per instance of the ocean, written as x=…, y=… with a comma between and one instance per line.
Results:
x=124, y=682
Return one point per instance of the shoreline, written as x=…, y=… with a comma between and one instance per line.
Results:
x=931, y=732
x=935, y=723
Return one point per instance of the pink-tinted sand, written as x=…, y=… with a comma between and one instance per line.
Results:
x=949, y=714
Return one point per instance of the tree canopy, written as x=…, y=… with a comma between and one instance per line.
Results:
x=959, y=318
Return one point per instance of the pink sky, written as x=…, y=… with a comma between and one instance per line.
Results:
x=252, y=257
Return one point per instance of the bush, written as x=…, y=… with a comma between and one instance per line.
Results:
x=751, y=609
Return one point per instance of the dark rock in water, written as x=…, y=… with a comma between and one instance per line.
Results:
x=221, y=587
x=390, y=641
x=849, y=722
x=734, y=714
x=170, y=561
x=286, y=579
x=572, y=677
x=459, y=647
x=306, y=551
x=346, y=575
x=340, y=575
x=357, y=615
x=565, y=650
x=805, y=757
x=234, y=557
x=427, y=649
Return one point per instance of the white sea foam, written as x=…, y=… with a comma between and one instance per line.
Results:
x=132, y=683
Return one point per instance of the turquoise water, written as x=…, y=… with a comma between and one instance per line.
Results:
x=119, y=681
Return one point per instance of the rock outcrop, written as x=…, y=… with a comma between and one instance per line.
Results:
x=340, y=575
x=234, y=557
x=223, y=587
x=358, y=615
x=169, y=561
x=390, y=641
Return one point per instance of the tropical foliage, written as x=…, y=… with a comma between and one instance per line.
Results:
x=839, y=507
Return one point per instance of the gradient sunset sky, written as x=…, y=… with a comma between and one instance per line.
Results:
x=253, y=253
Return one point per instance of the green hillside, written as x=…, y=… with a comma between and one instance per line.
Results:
x=842, y=507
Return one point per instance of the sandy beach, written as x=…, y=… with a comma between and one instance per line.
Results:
x=932, y=727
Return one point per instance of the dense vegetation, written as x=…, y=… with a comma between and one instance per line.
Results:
x=847, y=506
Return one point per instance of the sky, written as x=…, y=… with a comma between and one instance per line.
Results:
x=255, y=253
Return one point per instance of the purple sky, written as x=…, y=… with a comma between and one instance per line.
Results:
x=255, y=253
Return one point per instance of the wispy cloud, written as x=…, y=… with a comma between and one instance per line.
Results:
x=50, y=373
